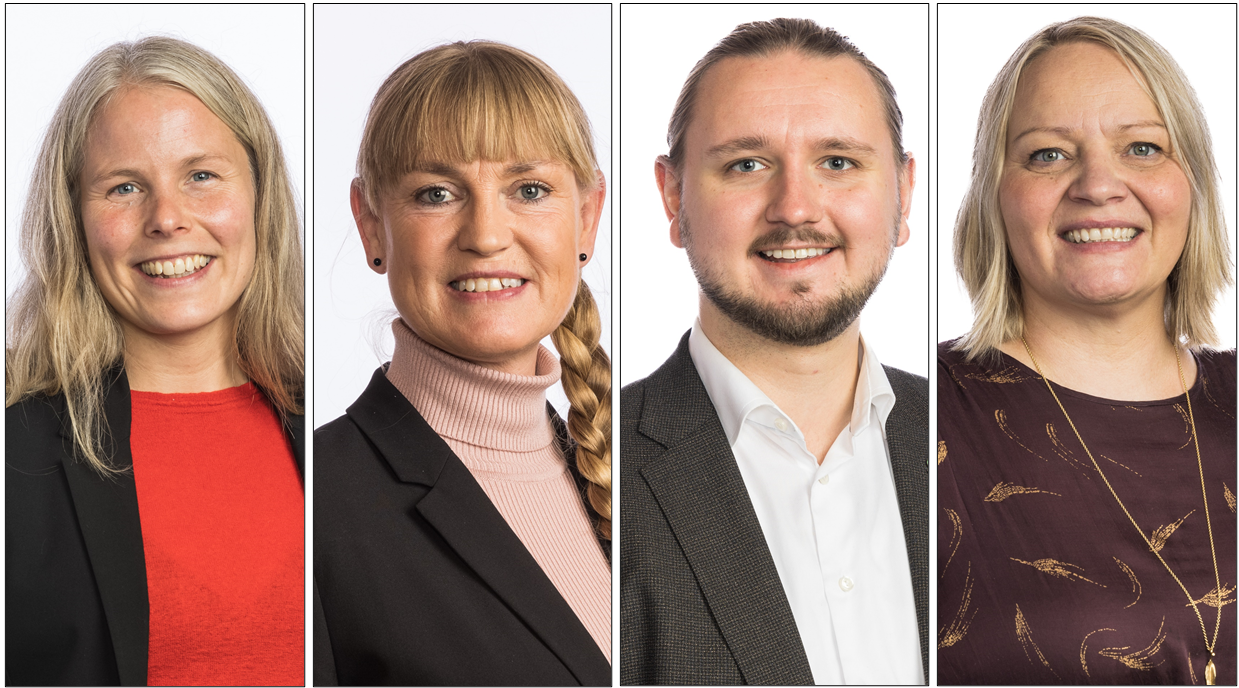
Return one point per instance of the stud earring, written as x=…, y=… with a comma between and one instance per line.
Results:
x=583, y=257
x=378, y=261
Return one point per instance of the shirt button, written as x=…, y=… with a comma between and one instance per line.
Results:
x=845, y=584
x=824, y=479
x=781, y=424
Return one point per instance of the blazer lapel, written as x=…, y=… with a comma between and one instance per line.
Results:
x=465, y=517
x=107, y=512
x=702, y=494
x=907, y=430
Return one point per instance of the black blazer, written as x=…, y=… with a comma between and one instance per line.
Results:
x=700, y=599
x=77, y=611
x=418, y=579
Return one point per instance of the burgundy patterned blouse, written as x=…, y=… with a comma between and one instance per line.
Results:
x=1041, y=577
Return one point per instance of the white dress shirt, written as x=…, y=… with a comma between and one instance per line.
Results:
x=833, y=529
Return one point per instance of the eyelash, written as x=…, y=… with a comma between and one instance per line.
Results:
x=421, y=196
x=849, y=162
x=1154, y=149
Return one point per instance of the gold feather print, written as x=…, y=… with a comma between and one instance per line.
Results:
x=942, y=455
x=1187, y=424
x=1214, y=600
x=958, y=628
x=1230, y=497
x=1003, y=490
x=1140, y=658
x=957, y=534
x=1000, y=416
x=1006, y=376
x=1135, y=582
x=1083, y=651
x=1024, y=633
x=1159, y=537
x=1056, y=568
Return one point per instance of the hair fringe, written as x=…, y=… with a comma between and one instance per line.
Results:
x=587, y=382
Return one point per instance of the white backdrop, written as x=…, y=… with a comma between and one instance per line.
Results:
x=659, y=44
x=47, y=45
x=355, y=48
x=974, y=41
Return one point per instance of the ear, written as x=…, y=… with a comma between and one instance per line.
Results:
x=591, y=215
x=907, y=181
x=369, y=226
x=669, y=188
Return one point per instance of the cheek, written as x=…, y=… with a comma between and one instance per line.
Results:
x=108, y=236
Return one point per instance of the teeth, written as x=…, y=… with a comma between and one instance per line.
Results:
x=179, y=267
x=485, y=284
x=796, y=253
x=1088, y=236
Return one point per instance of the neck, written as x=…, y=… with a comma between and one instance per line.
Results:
x=1114, y=353
x=814, y=385
x=199, y=361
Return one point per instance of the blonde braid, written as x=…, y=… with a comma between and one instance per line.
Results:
x=587, y=382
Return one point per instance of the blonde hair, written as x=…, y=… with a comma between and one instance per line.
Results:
x=501, y=103
x=62, y=337
x=982, y=256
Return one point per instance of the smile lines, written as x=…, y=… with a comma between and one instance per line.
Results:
x=1089, y=236
x=487, y=284
x=172, y=269
x=795, y=254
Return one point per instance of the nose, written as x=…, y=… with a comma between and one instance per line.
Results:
x=797, y=198
x=169, y=214
x=485, y=230
x=1099, y=181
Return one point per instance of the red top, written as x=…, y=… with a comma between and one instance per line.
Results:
x=223, y=526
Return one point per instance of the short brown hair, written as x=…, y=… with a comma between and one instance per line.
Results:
x=759, y=39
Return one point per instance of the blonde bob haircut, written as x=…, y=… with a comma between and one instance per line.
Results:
x=481, y=100
x=62, y=337
x=982, y=256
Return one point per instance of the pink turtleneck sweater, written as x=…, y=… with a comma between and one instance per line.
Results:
x=498, y=425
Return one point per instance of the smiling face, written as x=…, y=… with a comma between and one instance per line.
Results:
x=789, y=199
x=482, y=257
x=1095, y=205
x=167, y=203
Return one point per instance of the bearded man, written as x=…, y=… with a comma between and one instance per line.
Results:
x=775, y=482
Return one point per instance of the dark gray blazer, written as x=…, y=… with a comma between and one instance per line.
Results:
x=700, y=599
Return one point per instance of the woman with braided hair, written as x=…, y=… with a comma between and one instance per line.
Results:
x=462, y=530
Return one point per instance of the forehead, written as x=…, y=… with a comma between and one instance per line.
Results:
x=788, y=96
x=1078, y=84
x=154, y=119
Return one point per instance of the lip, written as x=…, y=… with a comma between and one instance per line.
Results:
x=489, y=274
x=798, y=264
x=165, y=283
x=1099, y=224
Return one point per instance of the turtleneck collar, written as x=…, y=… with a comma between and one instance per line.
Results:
x=470, y=403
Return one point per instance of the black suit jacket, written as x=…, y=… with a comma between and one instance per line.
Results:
x=700, y=599
x=77, y=611
x=418, y=579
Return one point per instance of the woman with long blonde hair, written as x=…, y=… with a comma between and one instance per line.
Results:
x=462, y=530
x=154, y=378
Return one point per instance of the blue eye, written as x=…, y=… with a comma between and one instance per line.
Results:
x=201, y=176
x=837, y=164
x=748, y=165
x=533, y=192
x=125, y=189
x=435, y=196
x=1144, y=150
x=1047, y=155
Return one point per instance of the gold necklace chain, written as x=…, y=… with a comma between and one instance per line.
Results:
x=1210, y=669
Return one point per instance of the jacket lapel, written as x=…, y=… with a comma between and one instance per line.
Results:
x=107, y=512
x=700, y=490
x=907, y=432
x=465, y=517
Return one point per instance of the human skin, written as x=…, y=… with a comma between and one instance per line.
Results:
x=452, y=222
x=164, y=179
x=1087, y=148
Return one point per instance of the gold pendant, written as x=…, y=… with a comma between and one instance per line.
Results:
x=1210, y=674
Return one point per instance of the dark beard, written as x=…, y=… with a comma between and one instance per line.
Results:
x=800, y=323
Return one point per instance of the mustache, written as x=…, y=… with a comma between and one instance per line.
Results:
x=778, y=238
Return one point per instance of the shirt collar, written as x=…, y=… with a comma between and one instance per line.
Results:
x=735, y=396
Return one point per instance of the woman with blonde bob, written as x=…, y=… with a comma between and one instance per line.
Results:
x=154, y=376
x=462, y=530
x=1086, y=452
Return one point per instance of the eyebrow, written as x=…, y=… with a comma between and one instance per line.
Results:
x=449, y=170
x=832, y=144
x=191, y=161
x=1066, y=131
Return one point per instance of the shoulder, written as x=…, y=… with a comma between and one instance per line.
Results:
x=1218, y=365
x=33, y=438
